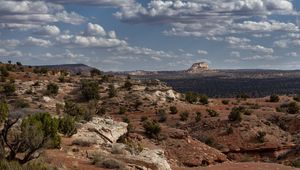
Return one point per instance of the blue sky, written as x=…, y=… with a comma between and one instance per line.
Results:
x=115, y=35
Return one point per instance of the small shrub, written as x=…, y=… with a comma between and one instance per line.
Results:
x=129, y=126
x=89, y=90
x=67, y=125
x=229, y=130
x=101, y=111
x=261, y=136
x=236, y=114
x=144, y=118
x=162, y=116
x=296, y=163
x=9, y=89
x=198, y=117
x=122, y=110
x=112, y=92
x=297, y=98
x=184, y=116
x=173, y=110
x=203, y=99
x=82, y=143
x=191, y=97
x=225, y=102
x=20, y=103
x=95, y=72
x=274, y=98
x=52, y=89
x=212, y=113
x=291, y=108
x=76, y=111
x=152, y=128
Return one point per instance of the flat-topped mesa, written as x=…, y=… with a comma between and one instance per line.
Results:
x=198, y=67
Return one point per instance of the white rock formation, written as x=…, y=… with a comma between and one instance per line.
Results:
x=198, y=67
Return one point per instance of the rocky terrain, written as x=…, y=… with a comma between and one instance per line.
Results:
x=126, y=123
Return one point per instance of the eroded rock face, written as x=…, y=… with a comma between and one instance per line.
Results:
x=198, y=67
x=101, y=131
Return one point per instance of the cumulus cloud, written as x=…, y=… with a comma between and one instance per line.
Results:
x=95, y=29
x=7, y=53
x=202, y=52
x=48, y=30
x=292, y=54
x=33, y=14
x=37, y=42
x=266, y=26
x=105, y=3
x=260, y=57
x=10, y=43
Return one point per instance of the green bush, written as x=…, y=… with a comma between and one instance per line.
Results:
x=9, y=89
x=184, y=116
x=212, y=113
x=173, y=110
x=4, y=110
x=112, y=92
x=203, y=99
x=297, y=98
x=191, y=97
x=274, y=98
x=261, y=136
x=128, y=85
x=95, y=72
x=225, y=102
x=122, y=110
x=20, y=103
x=162, y=116
x=67, y=125
x=291, y=108
x=52, y=89
x=89, y=90
x=236, y=114
x=198, y=117
x=152, y=128
x=4, y=72
x=76, y=111
x=40, y=127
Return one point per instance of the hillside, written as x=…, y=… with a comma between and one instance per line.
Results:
x=116, y=122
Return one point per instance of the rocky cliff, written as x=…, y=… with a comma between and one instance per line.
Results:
x=198, y=67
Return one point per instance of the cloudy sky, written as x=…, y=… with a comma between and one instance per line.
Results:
x=115, y=35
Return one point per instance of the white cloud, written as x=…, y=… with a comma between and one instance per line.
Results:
x=6, y=53
x=9, y=43
x=202, y=52
x=266, y=26
x=33, y=14
x=260, y=57
x=292, y=54
x=37, y=42
x=48, y=30
x=112, y=3
x=235, y=54
x=95, y=29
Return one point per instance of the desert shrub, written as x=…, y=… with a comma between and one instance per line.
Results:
x=184, y=116
x=76, y=111
x=122, y=110
x=191, y=97
x=4, y=110
x=37, y=70
x=162, y=116
x=297, y=98
x=236, y=114
x=129, y=126
x=62, y=79
x=4, y=72
x=212, y=113
x=52, y=89
x=101, y=111
x=112, y=92
x=229, y=130
x=44, y=125
x=198, y=117
x=67, y=125
x=82, y=143
x=128, y=85
x=274, y=98
x=137, y=104
x=9, y=89
x=102, y=161
x=144, y=118
x=243, y=96
x=152, y=128
x=95, y=72
x=173, y=110
x=89, y=90
x=203, y=99
x=20, y=103
x=296, y=163
x=261, y=136
x=14, y=165
x=291, y=108
x=225, y=102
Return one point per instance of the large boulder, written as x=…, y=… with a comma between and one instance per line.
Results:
x=101, y=131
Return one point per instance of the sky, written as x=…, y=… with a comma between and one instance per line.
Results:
x=126, y=35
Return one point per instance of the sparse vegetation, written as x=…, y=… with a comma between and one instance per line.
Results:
x=291, y=108
x=173, y=110
x=225, y=102
x=9, y=89
x=52, y=89
x=236, y=114
x=184, y=116
x=198, y=117
x=122, y=110
x=76, y=111
x=212, y=113
x=112, y=91
x=274, y=98
x=162, y=116
x=67, y=126
x=261, y=136
x=152, y=128
x=297, y=98
x=89, y=90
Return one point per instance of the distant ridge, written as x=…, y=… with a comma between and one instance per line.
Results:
x=72, y=68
